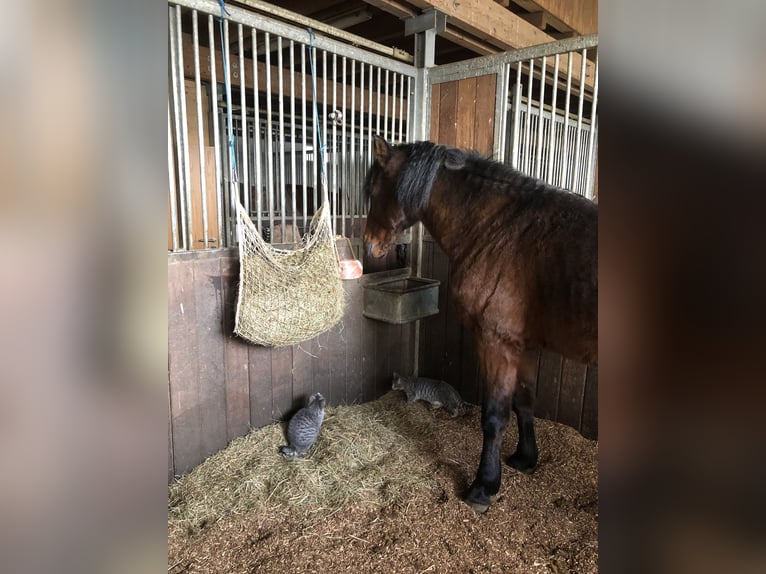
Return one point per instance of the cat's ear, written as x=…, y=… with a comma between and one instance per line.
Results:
x=396, y=375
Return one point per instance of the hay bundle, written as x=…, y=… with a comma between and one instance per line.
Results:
x=288, y=296
x=366, y=454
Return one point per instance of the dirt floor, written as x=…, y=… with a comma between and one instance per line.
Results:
x=539, y=523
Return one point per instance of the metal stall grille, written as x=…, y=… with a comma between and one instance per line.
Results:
x=546, y=107
x=275, y=167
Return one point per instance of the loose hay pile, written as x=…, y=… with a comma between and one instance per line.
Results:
x=365, y=454
x=380, y=492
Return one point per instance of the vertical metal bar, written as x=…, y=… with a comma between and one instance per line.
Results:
x=499, y=143
x=172, y=187
x=332, y=149
x=539, y=146
x=369, y=125
x=179, y=114
x=185, y=136
x=565, y=142
x=385, y=113
x=244, y=167
x=353, y=188
x=401, y=107
x=293, y=143
x=315, y=150
x=230, y=211
x=516, y=118
x=377, y=110
x=200, y=129
x=528, y=128
x=343, y=155
x=282, y=183
x=323, y=144
x=578, y=182
x=269, y=140
x=303, y=137
x=552, y=132
x=258, y=163
x=216, y=139
x=591, y=144
x=409, y=117
x=393, y=106
x=362, y=141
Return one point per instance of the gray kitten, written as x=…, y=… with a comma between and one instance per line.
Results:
x=303, y=428
x=438, y=393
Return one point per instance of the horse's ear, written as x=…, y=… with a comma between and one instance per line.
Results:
x=382, y=150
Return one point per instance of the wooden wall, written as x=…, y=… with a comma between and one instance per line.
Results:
x=220, y=386
x=462, y=115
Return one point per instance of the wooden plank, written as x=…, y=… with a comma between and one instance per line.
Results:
x=368, y=359
x=353, y=334
x=537, y=19
x=571, y=395
x=564, y=15
x=182, y=368
x=171, y=468
x=548, y=385
x=261, y=401
x=303, y=372
x=469, y=42
x=589, y=426
x=321, y=364
x=448, y=113
x=210, y=354
x=398, y=9
x=336, y=340
x=484, y=116
x=433, y=133
x=282, y=382
x=466, y=110
x=235, y=356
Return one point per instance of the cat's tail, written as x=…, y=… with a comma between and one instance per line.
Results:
x=467, y=407
x=286, y=450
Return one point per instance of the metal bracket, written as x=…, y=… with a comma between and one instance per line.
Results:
x=431, y=19
x=425, y=27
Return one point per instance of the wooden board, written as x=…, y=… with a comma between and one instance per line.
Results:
x=281, y=382
x=589, y=426
x=353, y=334
x=466, y=108
x=572, y=393
x=548, y=385
x=484, y=116
x=261, y=402
x=448, y=100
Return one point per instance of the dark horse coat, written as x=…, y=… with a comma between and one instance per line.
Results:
x=524, y=272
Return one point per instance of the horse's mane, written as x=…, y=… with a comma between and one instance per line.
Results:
x=416, y=180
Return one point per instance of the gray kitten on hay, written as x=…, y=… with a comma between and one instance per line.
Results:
x=438, y=393
x=303, y=428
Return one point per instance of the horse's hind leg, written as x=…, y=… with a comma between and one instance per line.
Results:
x=525, y=457
x=500, y=373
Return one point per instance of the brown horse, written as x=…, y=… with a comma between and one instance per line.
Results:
x=523, y=271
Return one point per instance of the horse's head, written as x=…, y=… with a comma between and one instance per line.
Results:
x=386, y=218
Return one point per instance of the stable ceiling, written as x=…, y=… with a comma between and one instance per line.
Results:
x=474, y=27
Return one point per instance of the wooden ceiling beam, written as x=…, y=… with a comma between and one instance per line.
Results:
x=565, y=15
x=398, y=9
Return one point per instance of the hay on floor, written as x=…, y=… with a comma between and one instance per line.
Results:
x=366, y=454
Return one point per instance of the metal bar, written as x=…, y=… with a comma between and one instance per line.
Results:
x=591, y=144
x=551, y=134
x=314, y=149
x=362, y=140
x=258, y=162
x=185, y=137
x=565, y=142
x=501, y=113
x=304, y=171
x=527, y=165
x=377, y=109
x=179, y=114
x=401, y=107
x=269, y=141
x=385, y=113
x=345, y=189
x=200, y=129
x=516, y=118
x=369, y=125
x=219, y=190
x=172, y=187
x=332, y=149
x=323, y=144
x=578, y=182
x=267, y=24
x=539, y=146
x=410, y=127
x=393, y=107
x=230, y=211
x=281, y=87
x=293, y=173
x=353, y=188
x=485, y=64
x=245, y=177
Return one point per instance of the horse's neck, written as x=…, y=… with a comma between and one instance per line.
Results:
x=445, y=216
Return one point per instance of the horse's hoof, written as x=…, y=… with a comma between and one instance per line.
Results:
x=478, y=507
x=523, y=464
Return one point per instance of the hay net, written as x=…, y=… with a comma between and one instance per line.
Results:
x=288, y=296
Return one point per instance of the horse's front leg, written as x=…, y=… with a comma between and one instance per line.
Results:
x=500, y=371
